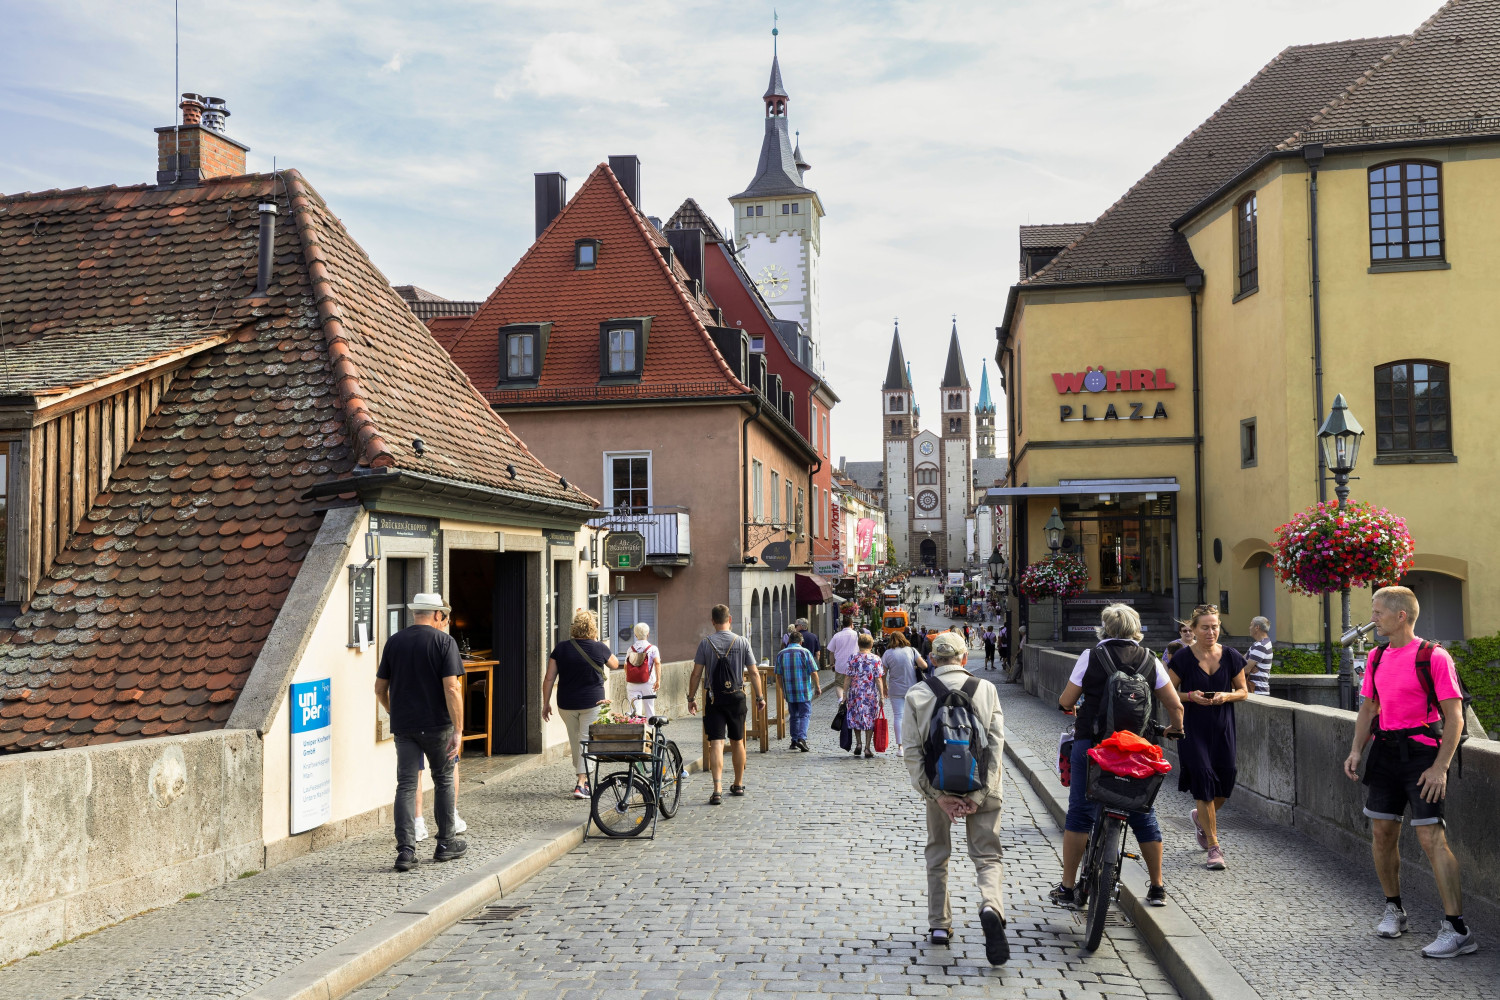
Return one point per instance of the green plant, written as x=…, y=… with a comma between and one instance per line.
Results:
x=1478, y=663
x=192, y=895
x=249, y=873
x=1289, y=660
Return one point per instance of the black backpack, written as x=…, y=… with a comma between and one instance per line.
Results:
x=721, y=672
x=956, y=754
x=1424, y=677
x=1129, y=695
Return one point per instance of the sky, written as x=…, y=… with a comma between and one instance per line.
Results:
x=934, y=129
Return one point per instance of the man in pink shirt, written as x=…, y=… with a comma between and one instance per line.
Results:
x=1417, y=734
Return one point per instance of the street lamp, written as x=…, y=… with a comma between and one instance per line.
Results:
x=1339, y=438
x=1053, y=529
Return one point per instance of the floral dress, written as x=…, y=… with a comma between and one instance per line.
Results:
x=863, y=697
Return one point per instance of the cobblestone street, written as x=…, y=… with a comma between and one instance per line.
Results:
x=812, y=884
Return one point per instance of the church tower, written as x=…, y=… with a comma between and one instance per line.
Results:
x=898, y=417
x=984, y=417
x=778, y=219
x=958, y=471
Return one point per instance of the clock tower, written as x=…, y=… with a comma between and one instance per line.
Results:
x=778, y=220
x=958, y=471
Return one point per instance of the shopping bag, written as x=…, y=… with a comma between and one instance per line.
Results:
x=840, y=719
x=846, y=738
x=882, y=732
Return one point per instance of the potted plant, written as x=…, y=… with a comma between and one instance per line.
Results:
x=1062, y=575
x=1326, y=548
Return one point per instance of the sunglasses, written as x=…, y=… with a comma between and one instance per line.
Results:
x=1206, y=609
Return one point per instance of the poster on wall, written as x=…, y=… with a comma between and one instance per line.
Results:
x=312, y=755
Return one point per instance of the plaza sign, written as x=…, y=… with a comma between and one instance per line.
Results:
x=1099, y=380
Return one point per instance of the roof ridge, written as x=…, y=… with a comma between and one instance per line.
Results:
x=372, y=449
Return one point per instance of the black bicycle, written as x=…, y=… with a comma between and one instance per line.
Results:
x=626, y=802
x=1119, y=796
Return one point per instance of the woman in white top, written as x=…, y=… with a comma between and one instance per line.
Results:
x=642, y=659
x=900, y=662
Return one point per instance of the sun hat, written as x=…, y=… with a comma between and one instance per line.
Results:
x=428, y=602
x=949, y=644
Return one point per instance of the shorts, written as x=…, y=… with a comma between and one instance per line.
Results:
x=725, y=715
x=1392, y=783
x=1082, y=814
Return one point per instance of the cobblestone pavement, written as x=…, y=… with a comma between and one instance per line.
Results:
x=240, y=935
x=811, y=885
x=1294, y=918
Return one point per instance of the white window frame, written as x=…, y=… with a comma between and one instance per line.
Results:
x=611, y=351
x=775, y=496
x=758, y=510
x=609, y=476
x=510, y=354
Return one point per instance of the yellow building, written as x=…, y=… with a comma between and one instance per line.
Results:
x=1332, y=228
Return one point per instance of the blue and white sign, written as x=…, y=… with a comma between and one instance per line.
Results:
x=312, y=754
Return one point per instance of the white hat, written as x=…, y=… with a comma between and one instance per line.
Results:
x=428, y=602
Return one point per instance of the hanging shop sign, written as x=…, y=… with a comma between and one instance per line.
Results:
x=625, y=550
x=864, y=536
x=828, y=567
x=1096, y=380
x=312, y=755
x=846, y=587
x=777, y=555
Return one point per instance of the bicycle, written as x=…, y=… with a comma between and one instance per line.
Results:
x=626, y=802
x=1119, y=796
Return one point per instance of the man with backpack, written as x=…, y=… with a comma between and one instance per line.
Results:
x=954, y=759
x=1412, y=719
x=723, y=661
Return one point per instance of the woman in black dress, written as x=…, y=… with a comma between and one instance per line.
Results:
x=1210, y=678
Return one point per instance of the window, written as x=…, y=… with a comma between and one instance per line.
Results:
x=628, y=479
x=955, y=401
x=897, y=427
x=817, y=511
x=621, y=351
x=1249, y=248
x=898, y=404
x=786, y=208
x=760, y=210
x=585, y=255
x=1412, y=410
x=801, y=501
x=403, y=581
x=622, y=348
x=955, y=425
x=627, y=611
x=523, y=347
x=757, y=345
x=749, y=211
x=1248, y=444
x=796, y=208
x=519, y=359
x=775, y=497
x=758, y=499
x=791, y=512
x=927, y=476
x=1406, y=212
x=812, y=425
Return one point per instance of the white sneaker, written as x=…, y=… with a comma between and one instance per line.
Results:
x=1450, y=944
x=1393, y=924
x=459, y=826
x=421, y=829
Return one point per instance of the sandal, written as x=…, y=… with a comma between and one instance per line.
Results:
x=736, y=789
x=715, y=799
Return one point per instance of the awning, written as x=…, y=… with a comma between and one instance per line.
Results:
x=813, y=589
x=998, y=495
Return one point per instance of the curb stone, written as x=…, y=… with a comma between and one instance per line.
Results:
x=1197, y=968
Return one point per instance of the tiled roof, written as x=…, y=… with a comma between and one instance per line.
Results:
x=1052, y=235
x=1134, y=238
x=151, y=616
x=690, y=215
x=416, y=293
x=632, y=278
x=445, y=329
x=870, y=475
x=427, y=305
x=71, y=359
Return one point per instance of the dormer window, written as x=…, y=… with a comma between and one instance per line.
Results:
x=523, y=346
x=622, y=349
x=585, y=255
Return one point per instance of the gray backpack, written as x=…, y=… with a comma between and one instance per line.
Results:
x=956, y=755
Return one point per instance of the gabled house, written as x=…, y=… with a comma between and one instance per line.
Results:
x=604, y=348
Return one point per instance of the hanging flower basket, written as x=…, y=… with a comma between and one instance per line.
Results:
x=1324, y=549
x=1061, y=575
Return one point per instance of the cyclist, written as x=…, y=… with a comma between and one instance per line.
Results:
x=1119, y=635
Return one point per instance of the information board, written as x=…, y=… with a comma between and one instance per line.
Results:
x=312, y=755
x=361, y=606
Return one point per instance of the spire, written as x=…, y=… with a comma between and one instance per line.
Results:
x=986, y=405
x=778, y=172
x=802, y=165
x=953, y=374
x=897, y=373
x=775, y=88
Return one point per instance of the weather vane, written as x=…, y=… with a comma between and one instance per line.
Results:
x=774, y=30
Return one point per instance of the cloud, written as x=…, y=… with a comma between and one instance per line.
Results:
x=582, y=67
x=393, y=65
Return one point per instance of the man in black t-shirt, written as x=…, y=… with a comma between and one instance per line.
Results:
x=420, y=683
x=724, y=714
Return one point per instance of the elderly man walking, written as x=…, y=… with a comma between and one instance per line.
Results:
x=798, y=674
x=955, y=765
x=420, y=683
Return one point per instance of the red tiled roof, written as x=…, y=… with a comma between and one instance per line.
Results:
x=445, y=329
x=154, y=612
x=632, y=278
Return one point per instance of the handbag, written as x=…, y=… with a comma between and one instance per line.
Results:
x=846, y=738
x=841, y=719
x=882, y=731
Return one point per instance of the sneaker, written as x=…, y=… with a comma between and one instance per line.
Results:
x=996, y=948
x=459, y=826
x=406, y=859
x=1215, y=859
x=1393, y=923
x=1202, y=836
x=454, y=848
x=421, y=829
x=802, y=745
x=1063, y=896
x=1450, y=944
x=1156, y=895
x=580, y=791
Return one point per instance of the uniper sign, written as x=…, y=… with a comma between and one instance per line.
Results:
x=312, y=755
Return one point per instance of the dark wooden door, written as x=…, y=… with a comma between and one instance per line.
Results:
x=510, y=650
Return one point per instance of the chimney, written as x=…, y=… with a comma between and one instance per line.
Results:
x=551, y=195
x=627, y=170
x=267, y=247
x=688, y=245
x=197, y=149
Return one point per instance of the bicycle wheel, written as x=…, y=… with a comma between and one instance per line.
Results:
x=671, y=781
x=1106, y=874
x=623, y=805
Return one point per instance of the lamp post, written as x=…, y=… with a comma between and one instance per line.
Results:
x=1053, y=529
x=1339, y=438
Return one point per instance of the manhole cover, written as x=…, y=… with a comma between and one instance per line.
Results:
x=490, y=914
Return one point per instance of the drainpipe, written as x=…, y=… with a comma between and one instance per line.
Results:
x=1194, y=284
x=1313, y=156
x=745, y=454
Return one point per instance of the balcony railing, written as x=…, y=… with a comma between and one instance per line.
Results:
x=668, y=542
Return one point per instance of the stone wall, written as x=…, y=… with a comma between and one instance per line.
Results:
x=99, y=833
x=1291, y=772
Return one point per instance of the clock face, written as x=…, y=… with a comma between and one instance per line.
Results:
x=772, y=281
x=925, y=447
x=927, y=500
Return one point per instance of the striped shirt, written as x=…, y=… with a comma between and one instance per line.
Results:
x=1258, y=666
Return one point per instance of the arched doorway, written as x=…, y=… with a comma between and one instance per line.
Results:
x=1267, y=581
x=778, y=622
x=928, y=552
x=1440, y=603
x=763, y=643
x=754, y=632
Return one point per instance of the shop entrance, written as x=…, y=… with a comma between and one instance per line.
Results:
x=1125, y=539
x=489, y=612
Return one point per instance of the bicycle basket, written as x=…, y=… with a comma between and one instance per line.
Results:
x=1119, y=792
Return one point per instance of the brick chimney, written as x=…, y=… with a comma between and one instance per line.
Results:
x=197, y=149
